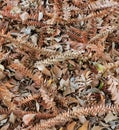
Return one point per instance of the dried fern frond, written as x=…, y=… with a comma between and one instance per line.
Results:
x=7, y=14
x=104, y=33
x=56, y=15
x=113, y=88
x=48, y=52
x=29, y=21
x=67, y=11
x=79, y=3
x=84, y=80
x=20, y=113
x=112, y=65
x=27, y=46
x=10, y=38
x=61, y=57
x=66, y=116
x=100, y=5
x=6, y=97
x=26, y=72
x=33, y=16
x=27, y=100
x=48, y=101
x=19, y=67
x=44, y=115
x=98, y=49
x=33, y=23
x=77, y=34
x=58, y=4
x=91, y=28
x=59, y=119
x=3, y=56
x=35, y=49
x=4, y=111
x=94, y=110
x=96, y=14
x=52, y=54
x=74, y=36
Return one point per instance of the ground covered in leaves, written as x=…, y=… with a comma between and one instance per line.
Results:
x=59, y=65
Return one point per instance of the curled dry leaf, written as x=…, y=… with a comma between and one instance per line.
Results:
x=27, y=118
x=12, y=118
x=110, y=117
x=44, y=70
x=37, y=106
x=2, y=67
x=2, y=75
x=34, y=39
x=24, y=16
x=40, y=16
x=97, y=128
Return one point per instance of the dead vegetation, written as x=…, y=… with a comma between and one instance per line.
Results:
x=59, y=65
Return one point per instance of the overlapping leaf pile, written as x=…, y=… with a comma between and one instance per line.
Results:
x=59, y=64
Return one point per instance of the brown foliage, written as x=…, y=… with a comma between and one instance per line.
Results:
x=59, y=60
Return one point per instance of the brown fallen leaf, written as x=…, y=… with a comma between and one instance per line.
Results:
x=97, y=128
x=2, y=75
x=84, y=126
x=71, y=126
x=57, y=71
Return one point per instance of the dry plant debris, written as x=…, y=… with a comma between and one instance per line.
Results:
x=59, y=65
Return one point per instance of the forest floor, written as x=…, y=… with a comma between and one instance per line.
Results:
x=59, y=65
